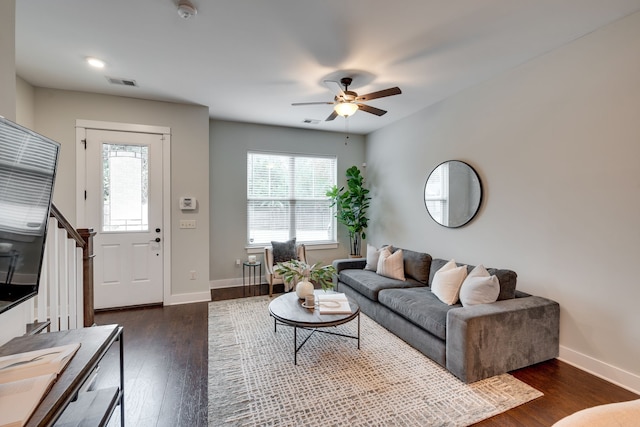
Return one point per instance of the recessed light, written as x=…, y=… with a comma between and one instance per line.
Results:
x=95, y=62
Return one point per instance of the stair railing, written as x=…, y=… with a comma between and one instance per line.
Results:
x=65, y=295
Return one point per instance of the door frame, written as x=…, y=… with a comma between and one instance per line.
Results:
x=81, y=179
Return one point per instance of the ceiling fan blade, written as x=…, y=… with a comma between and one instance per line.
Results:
x=332, y=116
x=312, y=103
x=334, y=87
x=380, y=94
x=372, y=110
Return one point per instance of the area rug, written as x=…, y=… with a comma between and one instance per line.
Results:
x=253, y=381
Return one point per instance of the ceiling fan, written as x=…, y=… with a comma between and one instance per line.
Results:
x=347, y=102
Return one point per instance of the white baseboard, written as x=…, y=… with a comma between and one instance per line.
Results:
x=615, y=375
x=230, y=283
x=189, y=298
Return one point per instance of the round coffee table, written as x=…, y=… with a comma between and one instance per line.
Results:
x=287, y=310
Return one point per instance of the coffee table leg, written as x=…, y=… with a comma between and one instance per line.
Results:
x=295, y=345
x=358, y=330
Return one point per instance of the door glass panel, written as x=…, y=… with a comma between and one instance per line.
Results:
x=125, y=186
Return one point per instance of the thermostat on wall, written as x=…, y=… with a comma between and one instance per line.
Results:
x=188, y=203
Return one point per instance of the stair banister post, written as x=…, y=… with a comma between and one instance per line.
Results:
x=87, y=274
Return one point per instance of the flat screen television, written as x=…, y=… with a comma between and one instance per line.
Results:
x=28, y=163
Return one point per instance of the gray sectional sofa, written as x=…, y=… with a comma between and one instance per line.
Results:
x=473, y=342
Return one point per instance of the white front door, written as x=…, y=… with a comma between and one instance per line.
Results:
x=124, y=201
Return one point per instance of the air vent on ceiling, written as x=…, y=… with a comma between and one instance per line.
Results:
x=311, y=121
x=122, y=82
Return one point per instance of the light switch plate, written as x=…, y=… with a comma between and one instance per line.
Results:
x=187, y=223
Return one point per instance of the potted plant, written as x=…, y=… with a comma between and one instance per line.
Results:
x=304, y=275
x=351, y=205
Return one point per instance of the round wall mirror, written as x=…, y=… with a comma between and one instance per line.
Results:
x=453, y=193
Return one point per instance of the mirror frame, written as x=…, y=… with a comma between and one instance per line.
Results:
x=476, y=209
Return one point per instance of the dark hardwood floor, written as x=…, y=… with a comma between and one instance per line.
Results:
x=165, y=365
x=166, y=372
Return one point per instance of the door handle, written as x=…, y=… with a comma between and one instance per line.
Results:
x=157, y=240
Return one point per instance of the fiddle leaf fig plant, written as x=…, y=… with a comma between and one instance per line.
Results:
x=351, y=205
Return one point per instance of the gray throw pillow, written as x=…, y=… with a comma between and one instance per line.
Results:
x=416, y=265
x=284, y=251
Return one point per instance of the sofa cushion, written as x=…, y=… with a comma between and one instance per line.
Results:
x=507, y=278
x=416, y=264
x=368, y=283
x=419, y=306
x=391, y=265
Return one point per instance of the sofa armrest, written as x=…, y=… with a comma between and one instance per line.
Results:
x=491, y=339
x=344, y=264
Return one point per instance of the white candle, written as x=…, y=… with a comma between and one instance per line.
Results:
x=252, y=259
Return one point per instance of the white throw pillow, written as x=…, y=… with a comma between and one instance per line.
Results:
x=447, y=281
x=373, y=255
x=391, y=265
x=479, y=287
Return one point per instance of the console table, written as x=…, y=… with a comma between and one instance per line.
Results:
x=65, y=404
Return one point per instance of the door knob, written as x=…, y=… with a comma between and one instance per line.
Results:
x=157, y=239
x=157, y=230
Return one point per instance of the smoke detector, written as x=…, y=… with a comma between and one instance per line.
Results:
x=186, y=9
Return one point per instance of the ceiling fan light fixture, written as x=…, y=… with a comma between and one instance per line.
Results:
x=346, y=109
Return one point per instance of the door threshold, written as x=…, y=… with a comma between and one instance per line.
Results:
x=129, y=307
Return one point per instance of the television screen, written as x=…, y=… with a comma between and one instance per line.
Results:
x=27, y=172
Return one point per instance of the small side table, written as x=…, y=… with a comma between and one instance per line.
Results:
x=250, y=279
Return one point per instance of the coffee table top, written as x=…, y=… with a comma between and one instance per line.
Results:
x=288, y=309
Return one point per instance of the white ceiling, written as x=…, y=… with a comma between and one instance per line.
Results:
x=248, y=60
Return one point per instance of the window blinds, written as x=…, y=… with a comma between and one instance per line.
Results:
x=286, y=198
x=26, y=172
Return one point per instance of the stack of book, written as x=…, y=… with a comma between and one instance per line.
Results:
x=26, y=377
x=334, y=304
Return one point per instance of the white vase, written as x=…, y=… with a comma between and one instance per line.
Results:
x=304, y=288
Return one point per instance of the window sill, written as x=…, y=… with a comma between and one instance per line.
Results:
x=309, y=247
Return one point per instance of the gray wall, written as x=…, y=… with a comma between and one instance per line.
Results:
x=230, y=142
x=25, y=104
x=56, y=114
x=8, y=57
x=556, y=143
x=13, y=321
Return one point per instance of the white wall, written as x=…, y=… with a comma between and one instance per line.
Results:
x=230, y=142
x=56, y=113
x=556, y=143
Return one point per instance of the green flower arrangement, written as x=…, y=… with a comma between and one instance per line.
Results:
x=295, y=271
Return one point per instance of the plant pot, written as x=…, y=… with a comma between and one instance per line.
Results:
x=304, y=288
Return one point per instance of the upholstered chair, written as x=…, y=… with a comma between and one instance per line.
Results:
x=274, y=278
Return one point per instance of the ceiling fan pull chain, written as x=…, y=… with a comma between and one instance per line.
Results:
x=346, y=130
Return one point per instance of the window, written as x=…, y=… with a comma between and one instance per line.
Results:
x=125, y=187
x=286, y=198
